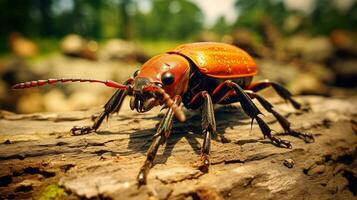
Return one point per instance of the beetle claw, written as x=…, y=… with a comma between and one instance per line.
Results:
x=281, y=143
x=76, y=130
x=204, y=167
x=307, y=137
x=141, y=178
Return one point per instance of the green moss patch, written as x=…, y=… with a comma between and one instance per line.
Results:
x=51, y=192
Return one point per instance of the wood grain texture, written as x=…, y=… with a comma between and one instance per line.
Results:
x=37, y=150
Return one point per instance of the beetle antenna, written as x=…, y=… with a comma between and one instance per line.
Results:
x=37, y=83
x=169, y=103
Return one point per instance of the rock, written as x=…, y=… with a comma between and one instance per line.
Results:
x=84, y=100
x=295, y=45
x=117, y=49
x=72, y=44
x=55, y=101
x=320, y=72
x=344, y=41
x=317, y=169
x=289, y=163
x=317, y=49
x=22, y=46
x=292, y=23
x=305, y=83
x=76, y=46
x=346, y=72
x=3, y=90
x=30, y=103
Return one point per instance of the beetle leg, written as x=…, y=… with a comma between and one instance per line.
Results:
x=284, y=123
x=281, y=90
x=162, y=133
x=113, y=105
x=208, y=126
x=226, y=88
x=251, y=110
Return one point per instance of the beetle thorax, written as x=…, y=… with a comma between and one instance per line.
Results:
x=169, y=72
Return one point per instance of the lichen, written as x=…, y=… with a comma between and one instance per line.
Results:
x=52, y=192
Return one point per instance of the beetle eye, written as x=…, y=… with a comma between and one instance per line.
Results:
x=136, y=73
x=167, y=78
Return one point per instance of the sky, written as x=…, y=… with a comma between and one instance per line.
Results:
x=212, y=9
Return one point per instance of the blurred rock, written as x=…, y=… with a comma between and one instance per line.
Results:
x=60, y=97
x=276, y=71
x=55, y=101
x=295, y=44
x=72, y=44
x=14, y=71
x=317, y=49
x=3, y=89
x=296, y=79
x=289, y=163
x=307, y=84
x=345, y=42
x=90, y=50
x=117, y=49
x=346, y=72
x=292, y=23
x=85, y=100
x=76, y=46
x=22, y=46
x=320, y=71
x=30, y=102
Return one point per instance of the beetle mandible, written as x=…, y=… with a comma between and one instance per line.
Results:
x=196, y=75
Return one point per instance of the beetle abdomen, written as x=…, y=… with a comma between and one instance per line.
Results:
x=218, y=60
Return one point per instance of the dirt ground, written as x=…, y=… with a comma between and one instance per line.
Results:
x=40, y=159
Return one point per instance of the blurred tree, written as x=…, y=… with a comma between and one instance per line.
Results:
x=326, y=17
x=124, y=22
x=221, y=26
x=83, y=17
x=45, y=17
x=96, y=10
x=177, y=19
x=15, y=16
x=253, y=12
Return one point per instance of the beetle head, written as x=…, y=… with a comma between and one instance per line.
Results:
x=165, y=73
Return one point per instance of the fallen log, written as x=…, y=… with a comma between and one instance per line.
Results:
x=39, y=158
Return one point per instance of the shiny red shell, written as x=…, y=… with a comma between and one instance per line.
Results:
x=218, y=60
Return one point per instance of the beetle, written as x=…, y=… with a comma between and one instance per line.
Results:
x=197, y=75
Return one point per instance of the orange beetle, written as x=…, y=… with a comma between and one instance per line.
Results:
x=197, y=75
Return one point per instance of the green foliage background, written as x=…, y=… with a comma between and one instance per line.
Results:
x=175, y=20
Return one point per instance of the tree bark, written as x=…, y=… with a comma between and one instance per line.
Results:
x=37, y=152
